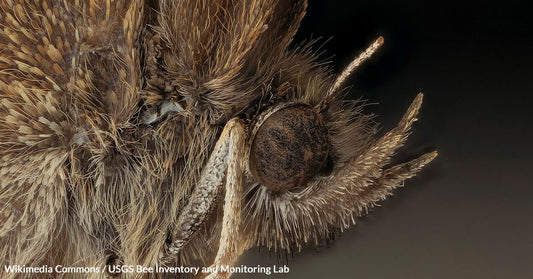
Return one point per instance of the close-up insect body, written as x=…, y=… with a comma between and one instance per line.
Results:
x=177, y=133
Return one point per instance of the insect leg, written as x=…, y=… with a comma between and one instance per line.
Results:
x=230, y=245
x=204, y=196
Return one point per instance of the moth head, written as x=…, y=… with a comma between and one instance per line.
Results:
x=289, y=146
x=304, y=179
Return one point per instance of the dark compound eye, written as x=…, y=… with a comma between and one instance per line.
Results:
x=289, y=148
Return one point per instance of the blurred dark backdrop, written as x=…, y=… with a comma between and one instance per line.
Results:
x=469, y=213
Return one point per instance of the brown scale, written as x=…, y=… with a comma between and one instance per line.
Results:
x=87, y=177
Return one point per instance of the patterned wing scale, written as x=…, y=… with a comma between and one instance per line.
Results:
x=54, y=97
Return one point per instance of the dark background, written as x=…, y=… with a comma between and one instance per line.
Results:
x=468, y=214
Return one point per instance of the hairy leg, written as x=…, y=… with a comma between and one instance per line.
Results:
x=225, y=156
x=231, y=246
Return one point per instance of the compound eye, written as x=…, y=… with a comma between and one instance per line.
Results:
x=289, y=148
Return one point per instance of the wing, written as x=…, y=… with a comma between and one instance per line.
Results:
x=68, y=82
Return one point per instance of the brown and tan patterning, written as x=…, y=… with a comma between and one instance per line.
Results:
x=176, y=132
